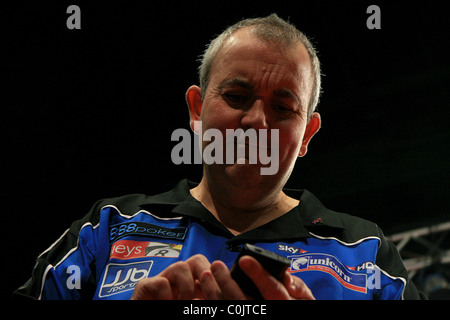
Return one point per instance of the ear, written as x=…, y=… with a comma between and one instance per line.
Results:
x=194, y=102
x=312, y=127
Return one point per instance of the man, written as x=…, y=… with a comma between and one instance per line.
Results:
x=259, y=74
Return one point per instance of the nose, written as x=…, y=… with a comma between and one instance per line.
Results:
x=255, y=116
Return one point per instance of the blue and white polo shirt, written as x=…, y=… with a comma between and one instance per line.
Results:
x=125, y=239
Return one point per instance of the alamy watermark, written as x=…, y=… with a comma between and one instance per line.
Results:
x=374, y=20
x=74, y=279
x=74, y=19
x=368, y=271
x=236, y=147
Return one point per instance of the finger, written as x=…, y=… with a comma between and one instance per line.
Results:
x=209, y=287
x=181, y=280
x=156, y=288
x=297, y=288
x=198, y=265
x=269, y=287
x=230, y=289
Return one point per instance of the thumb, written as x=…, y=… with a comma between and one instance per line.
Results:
x=297, y=288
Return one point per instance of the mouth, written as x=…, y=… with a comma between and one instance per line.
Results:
x=252, y=153
x=249, y=146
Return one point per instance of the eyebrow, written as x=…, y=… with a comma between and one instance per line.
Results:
x=286, y=93
x=235, y=82
x=245, y=84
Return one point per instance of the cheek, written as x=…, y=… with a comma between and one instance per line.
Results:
x=290, y=142
x=216, y=114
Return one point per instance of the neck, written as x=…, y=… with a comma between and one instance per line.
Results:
x=238, y=210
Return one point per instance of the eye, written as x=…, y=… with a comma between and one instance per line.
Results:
x=235, y=99
x=282, y=109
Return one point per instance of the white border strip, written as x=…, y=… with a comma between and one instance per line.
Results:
x=140, y=211
x=347, y=243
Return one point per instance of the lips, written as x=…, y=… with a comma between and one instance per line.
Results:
x=248, y=146
x=251, y=152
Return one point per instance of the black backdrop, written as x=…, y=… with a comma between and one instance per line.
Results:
x=88, y=114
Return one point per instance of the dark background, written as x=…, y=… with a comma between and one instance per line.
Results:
x=88, y=114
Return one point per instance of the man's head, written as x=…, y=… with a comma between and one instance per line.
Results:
x=256, y=77
x=272, y=29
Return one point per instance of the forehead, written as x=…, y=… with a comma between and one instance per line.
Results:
x=264, y=63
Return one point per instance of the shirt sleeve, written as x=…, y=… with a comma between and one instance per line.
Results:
x=66, y=270
x=391, y=264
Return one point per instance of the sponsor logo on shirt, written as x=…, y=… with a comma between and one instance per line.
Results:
x=119, y=278
x=119, y=231
x=289, y=249
x=129, y=249
x=331, y=265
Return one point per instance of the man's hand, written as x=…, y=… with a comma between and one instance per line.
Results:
x=218, y=284
x=179, y=281
x=196, y=278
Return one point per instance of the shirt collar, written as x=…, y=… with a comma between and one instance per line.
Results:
x=309, y=216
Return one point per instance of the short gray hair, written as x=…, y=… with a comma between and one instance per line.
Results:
x=272, y=29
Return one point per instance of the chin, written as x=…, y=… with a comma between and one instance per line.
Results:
x=241, y=171
x=249, y=176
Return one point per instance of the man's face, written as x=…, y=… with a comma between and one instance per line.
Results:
x=254, y=84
